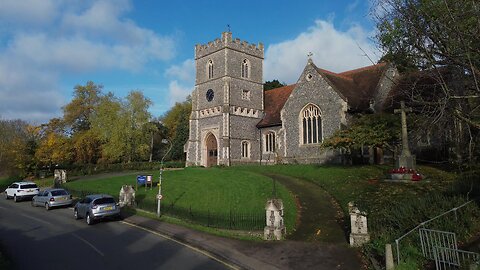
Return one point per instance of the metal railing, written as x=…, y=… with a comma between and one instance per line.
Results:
x=422, y=226
x=448, y=258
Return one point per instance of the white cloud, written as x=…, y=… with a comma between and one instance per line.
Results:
x=178, y=92
x=185, y=71
x=32, y=12
x=332, y=49
x=62, y=38
x=183, y=80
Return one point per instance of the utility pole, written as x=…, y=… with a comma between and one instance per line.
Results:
x=159, y=196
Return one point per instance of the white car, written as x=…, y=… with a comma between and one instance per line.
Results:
x=21, y=190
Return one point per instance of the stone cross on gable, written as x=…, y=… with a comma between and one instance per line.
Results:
x=403, y=112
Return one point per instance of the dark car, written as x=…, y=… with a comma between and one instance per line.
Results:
x=96, y=207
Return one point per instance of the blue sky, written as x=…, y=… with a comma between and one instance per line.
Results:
x=49, y=46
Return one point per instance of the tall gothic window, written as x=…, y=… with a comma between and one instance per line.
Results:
x=210, y=68
x=245, y=68
x=311, y=125
x=270, y=142
x=245, y=149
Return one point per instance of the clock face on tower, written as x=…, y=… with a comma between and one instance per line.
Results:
x=209, y=95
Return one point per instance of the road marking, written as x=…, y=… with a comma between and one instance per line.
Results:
x=37, y=219
x=89, y=244
x=3, y=208
x=183, y=244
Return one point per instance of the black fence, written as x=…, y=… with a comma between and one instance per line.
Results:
x=229, y=219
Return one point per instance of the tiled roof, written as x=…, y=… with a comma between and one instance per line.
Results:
x=356, y=86
x=274, y=100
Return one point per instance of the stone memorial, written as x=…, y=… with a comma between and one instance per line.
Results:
x=126, y=196
x=405, y=159
x=358, y=222
x=60, y=176
x=275, y=229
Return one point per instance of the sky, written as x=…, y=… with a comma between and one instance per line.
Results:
x=47, y=47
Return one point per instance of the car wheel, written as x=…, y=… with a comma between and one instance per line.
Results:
x=75, y=213
x=6, y=196
x=88, y=219
x=15, y=199
x=47, y=206
x=33, y=202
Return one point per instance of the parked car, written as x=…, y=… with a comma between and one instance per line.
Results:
x=95, y=207
x=52, y=197
x=21, y=191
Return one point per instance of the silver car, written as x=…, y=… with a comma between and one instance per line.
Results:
x=97, y=206
x=52, y=197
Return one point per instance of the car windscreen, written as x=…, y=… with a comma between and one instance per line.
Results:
x=104, y=201
x=28, y=186
x=59, y=192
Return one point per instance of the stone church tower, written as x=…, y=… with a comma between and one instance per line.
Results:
x=227, y=103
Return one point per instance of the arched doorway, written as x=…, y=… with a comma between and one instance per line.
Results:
x=212, y=150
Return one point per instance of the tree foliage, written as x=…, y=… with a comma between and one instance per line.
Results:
x=77, y=113
x=380, y=130
x=18, y=142
x=176, y=120
x=268, y=85
x=438, y=40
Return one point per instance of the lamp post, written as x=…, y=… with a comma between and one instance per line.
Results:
x=159, y=196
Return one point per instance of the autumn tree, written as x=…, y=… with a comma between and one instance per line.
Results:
x=78, y=112
x=18, y=143
x=437, y=41
x=54, y=146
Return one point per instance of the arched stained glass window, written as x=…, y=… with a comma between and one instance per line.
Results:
x=311, y=126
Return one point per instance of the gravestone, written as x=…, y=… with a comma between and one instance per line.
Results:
x=358, y=223
x=275, y=229
x=60, y=176
x=126, y=196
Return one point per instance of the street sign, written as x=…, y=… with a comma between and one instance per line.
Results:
x=159, y=196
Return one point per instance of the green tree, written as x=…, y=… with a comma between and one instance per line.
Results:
x=124, y=127
x=78, y=112
x=272, y=85
x=176, y=120
x=376, y=130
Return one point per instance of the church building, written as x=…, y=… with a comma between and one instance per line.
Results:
x=234, y=121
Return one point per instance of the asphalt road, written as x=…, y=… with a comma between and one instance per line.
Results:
x=38, y=239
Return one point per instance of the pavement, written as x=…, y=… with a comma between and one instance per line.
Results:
x=240, y=254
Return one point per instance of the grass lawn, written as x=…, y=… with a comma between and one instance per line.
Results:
x=217, y=190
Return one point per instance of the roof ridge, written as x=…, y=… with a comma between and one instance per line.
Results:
x=339, y=75
x=381, y=64
x=285, y=86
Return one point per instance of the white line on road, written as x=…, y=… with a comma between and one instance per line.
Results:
x=3, y=208
x=37, y=219
x=183, y=244
x=89, y=244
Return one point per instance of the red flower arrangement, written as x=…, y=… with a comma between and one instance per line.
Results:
x=414, y=175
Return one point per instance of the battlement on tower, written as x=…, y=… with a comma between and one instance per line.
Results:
x=227, y=42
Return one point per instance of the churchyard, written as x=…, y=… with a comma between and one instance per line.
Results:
x=198, y=196
x=219, y=200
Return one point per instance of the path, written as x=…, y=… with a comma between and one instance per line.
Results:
x=319, y=214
